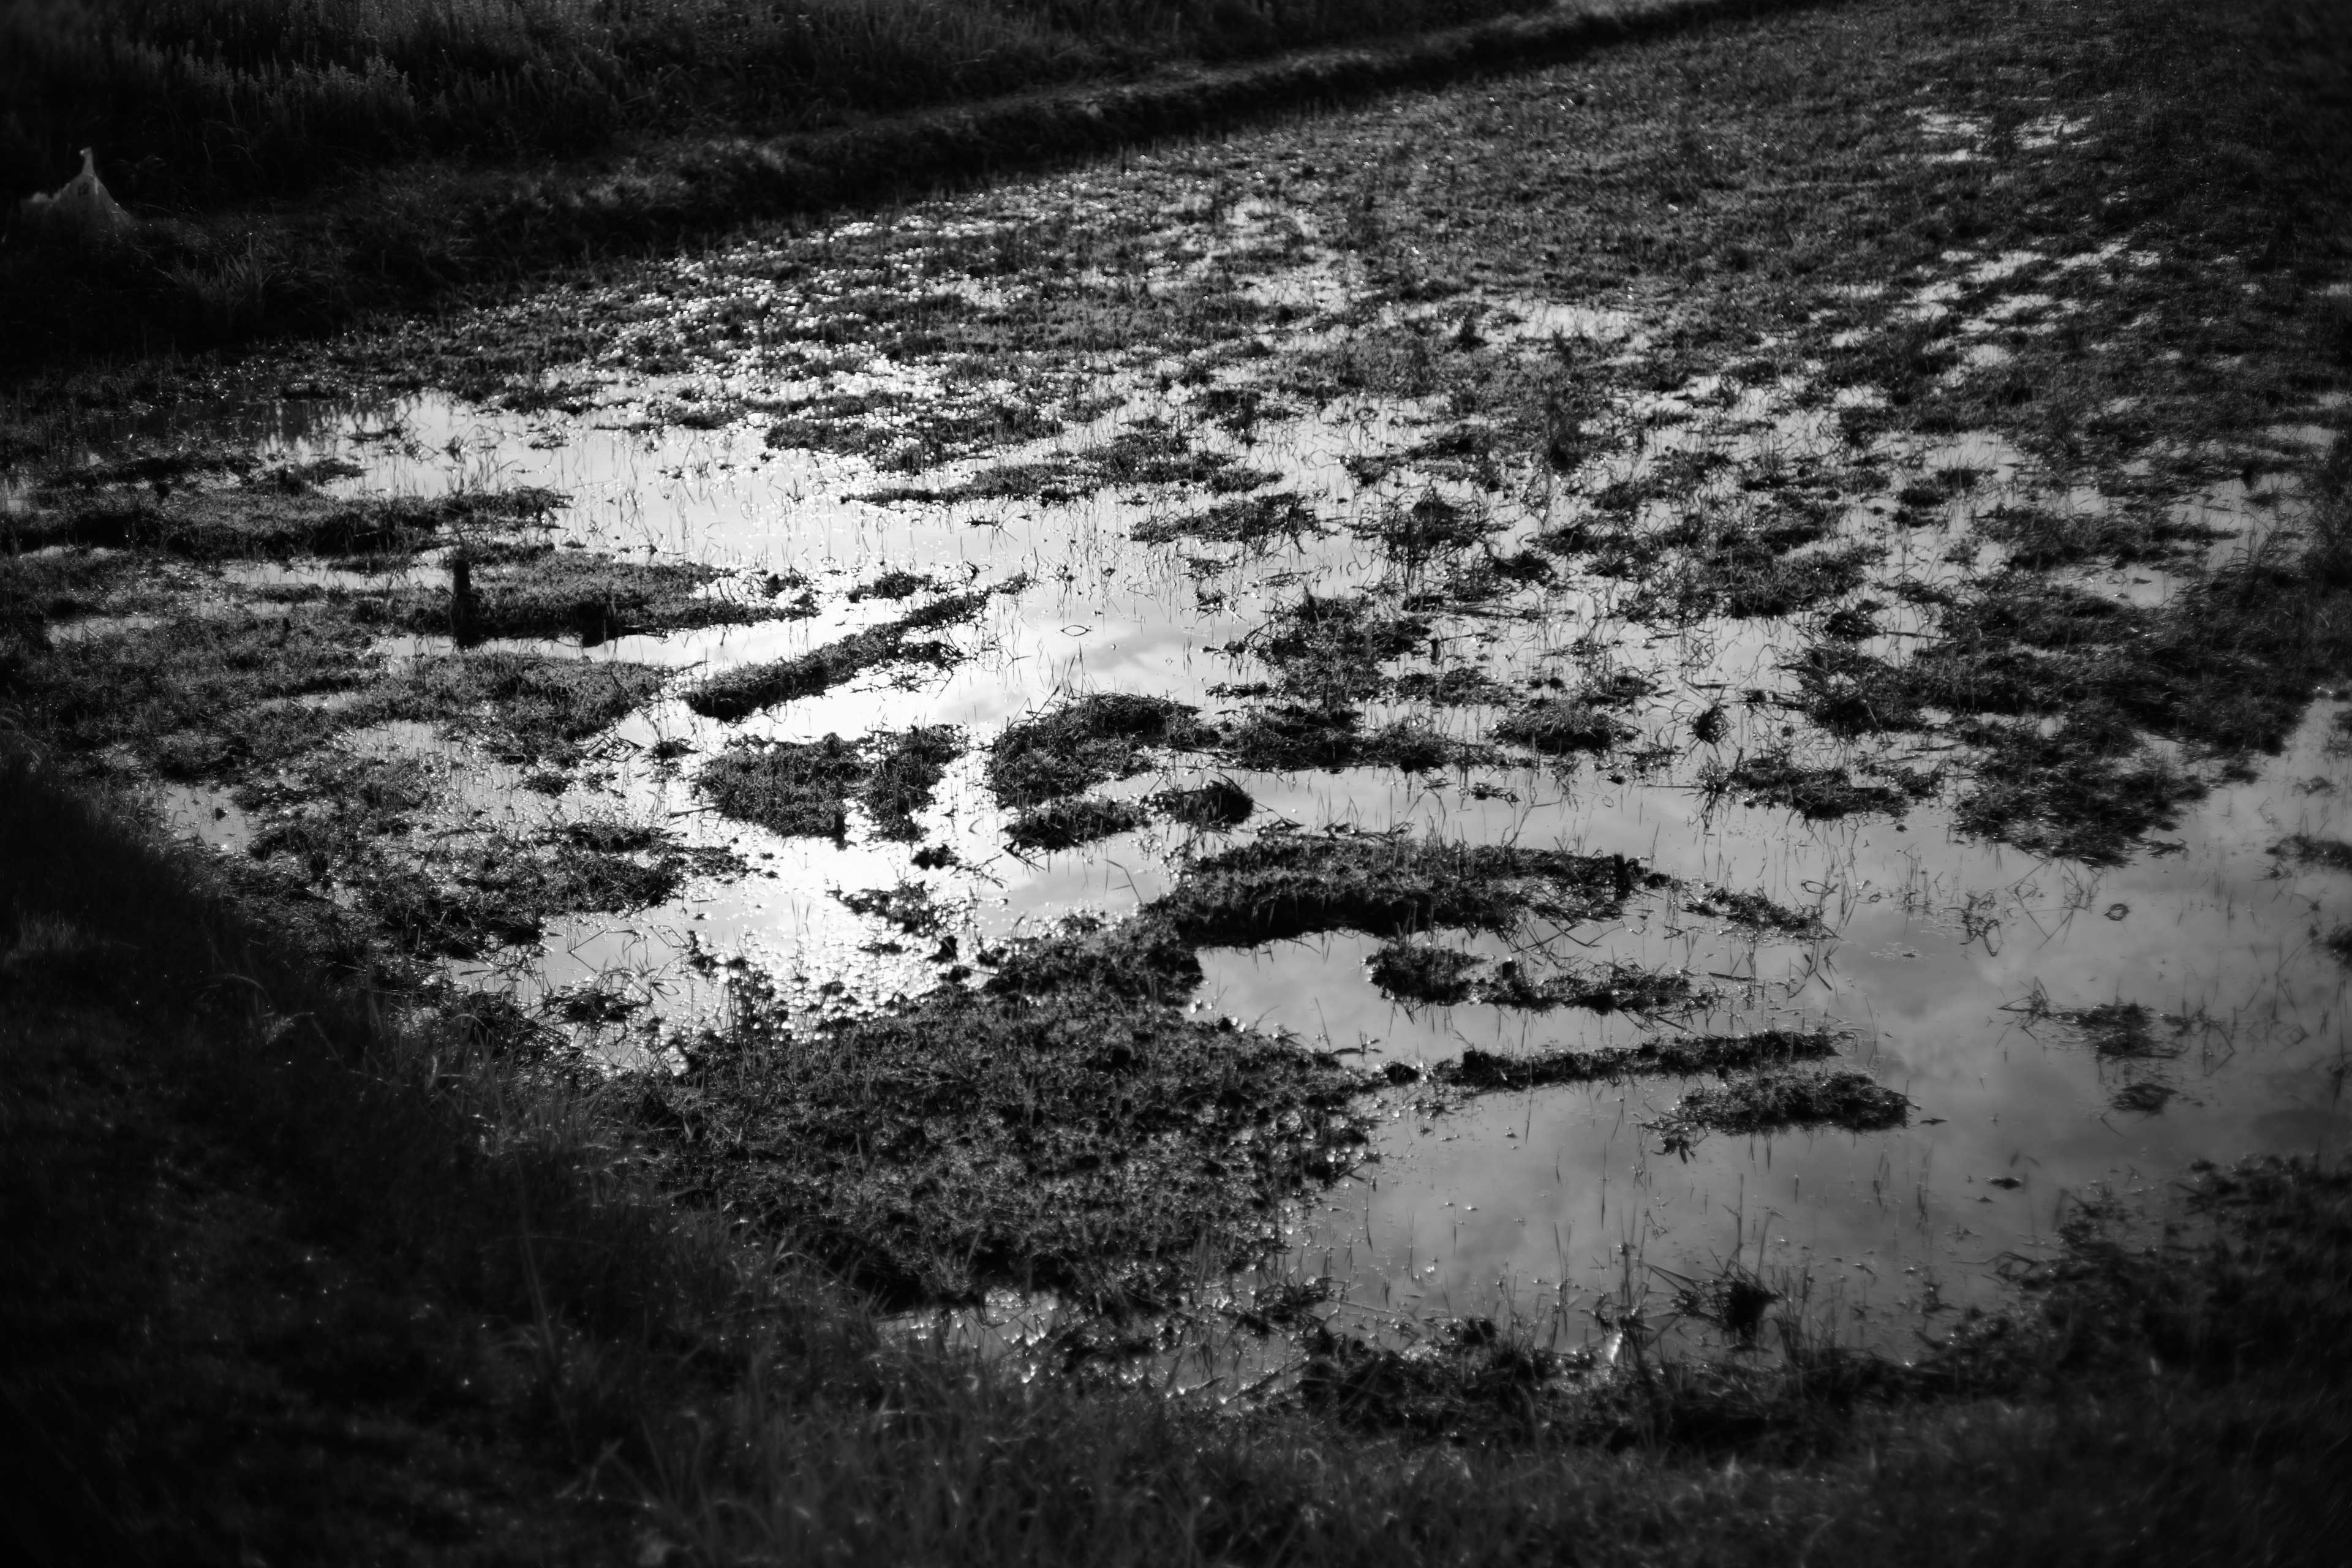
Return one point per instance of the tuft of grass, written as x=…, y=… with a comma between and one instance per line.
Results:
x=1771, y=1102
x=1562, y=727
x=1215, y=806
x=1248, y=519
x=1679, y=1056
x=1086, y=741
x=1066, y=824
x=1296, y=884
x=1815, y=793
x=739, y=693
x=528, y=707
x=804, y=789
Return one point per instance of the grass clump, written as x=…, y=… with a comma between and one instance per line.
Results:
x=739, y=693
x=1772, y=1102
x=907, y=767
x=803, y=789
x=1086, y=741
x=1286, y=885
x=527, y=707
x=1216, y=806
x=1679, y=1056
x=1756, y=910
x=1422, y=972
x=1815, y=793
x=1247, y=520
x=1079, y=1135
x=1327, y=651
x=2084, y=791
x=2333, y=854
x=500, y=892
x=201, y=696
x=266, y=519
x=205, y=99
x=1561, y=726
x=1293, y=738
x=1439, y=976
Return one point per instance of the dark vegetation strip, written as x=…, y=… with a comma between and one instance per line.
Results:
x=406, y=235
x=739, y=693
x=1688, y=1055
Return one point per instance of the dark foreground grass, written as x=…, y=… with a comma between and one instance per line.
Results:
x=420, y=1303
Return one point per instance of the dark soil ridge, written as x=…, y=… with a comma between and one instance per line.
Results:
x=406, y=236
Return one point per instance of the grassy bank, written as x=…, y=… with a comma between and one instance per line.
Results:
x=288, y=178
x=198, y=99
x=278, y=1237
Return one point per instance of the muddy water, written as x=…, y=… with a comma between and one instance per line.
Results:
x=1948, y=963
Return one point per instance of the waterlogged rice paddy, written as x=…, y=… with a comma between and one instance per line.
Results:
x=1433, y=528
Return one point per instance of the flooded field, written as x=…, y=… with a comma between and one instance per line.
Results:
x=1693, y=776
